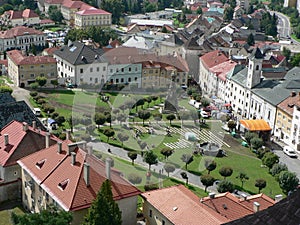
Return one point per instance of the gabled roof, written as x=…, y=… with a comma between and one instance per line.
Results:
x=181, y=206
x=19, y=111
x=288, y=104
x=77, y=53
x=20, y=31
x=19, y=59
x=65, y=182
x=231, y=207
x=29, y=13
x=285, y=212
x=92, y=11
x=221, y=70
x=213, y=58
x=20, y=143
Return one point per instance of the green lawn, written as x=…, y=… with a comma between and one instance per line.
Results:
x=5, y=215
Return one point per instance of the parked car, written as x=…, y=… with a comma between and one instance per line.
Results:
x=289, y=151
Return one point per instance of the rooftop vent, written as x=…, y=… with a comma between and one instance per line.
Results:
x=212, y=195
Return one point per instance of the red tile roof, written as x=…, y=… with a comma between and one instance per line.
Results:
x=19, y=59
x=65, y=182
x=222, y=69
x=264, y=201
x=92, y=11
x=46, y=21
x=288, y=104
x=19, y=31
x=29, y=13
x=51, y=50
x=231, y=207
x=213, y=58
x=15, y=14
x=181, y=206
x=21, y=143
x=4, y=62
x=76, y=5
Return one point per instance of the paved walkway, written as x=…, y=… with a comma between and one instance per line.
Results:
x=121, y=153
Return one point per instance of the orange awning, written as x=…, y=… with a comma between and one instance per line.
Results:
x=256, y=125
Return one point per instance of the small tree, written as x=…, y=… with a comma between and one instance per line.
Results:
x=166, y=152
x=41, y=81
x=231, y=125
x=288, y=181
x=260, y=184
x=270, y=159
x=108, y=133
x=185, y=176
x=225, y=171
x=242, y=177
x=250, y=40
x=207, y=180
x=144, y=115
x=122, y=137
x=256, y=143
x=99, y=119
x=277, y=168
x=135, y=178
x=132, y=156
x=210, y=165
x=34, y=86
x=150, y=158
x=5, y=88
x=249, y=136
x=169, y=168
x=54, y=83
x=139, y=102
x=205, y=102
x=187, y=159
x=170, y=117
x=104, y=210
x=225, y=186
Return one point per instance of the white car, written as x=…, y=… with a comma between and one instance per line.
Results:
x=289, y=151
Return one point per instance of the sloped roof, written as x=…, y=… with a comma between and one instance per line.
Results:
x=29, y=13
x=19, y=59
x=57, y=168
x=287, y=105
x=284, y=212
x=256, y=125
x=6, y=98
x=19, y=31
x=19, y=111
x=92, y=11
x=181, y=206
x=213, y=58
x=222, y=69
x=78, y=53
x=21, y=143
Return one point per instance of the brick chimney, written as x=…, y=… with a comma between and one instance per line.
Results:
x=34, y=125
x=256, y=206
x=68, y=134
x=86, y=173
x=108, y=162
x=47, y=139
x=6, y=140
x=73, y=158
x=25, y=126
x=59, y=147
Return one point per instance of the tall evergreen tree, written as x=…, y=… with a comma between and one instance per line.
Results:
x=104, y=210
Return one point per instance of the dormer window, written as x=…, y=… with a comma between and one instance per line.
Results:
x=62, y=185
x=40, y=163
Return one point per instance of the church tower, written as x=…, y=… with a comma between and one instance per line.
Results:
x=254, y=68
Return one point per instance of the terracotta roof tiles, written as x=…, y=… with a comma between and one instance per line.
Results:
x=19, y=31
x=92, y=11
x=65, y=182
x=213, y=58
x=29, y=13
x=19, y=59
x=287, y=105
x=20, y=143
x=188, y=209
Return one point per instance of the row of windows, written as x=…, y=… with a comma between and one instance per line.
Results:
x=41, y=75
x=91, y=23
x=122, y=70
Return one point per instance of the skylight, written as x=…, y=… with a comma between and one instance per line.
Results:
x=40, y=163
x=73, y=48
x=62, y=185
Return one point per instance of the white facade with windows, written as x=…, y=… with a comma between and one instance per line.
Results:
x=294, y=138
x=125, y=74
